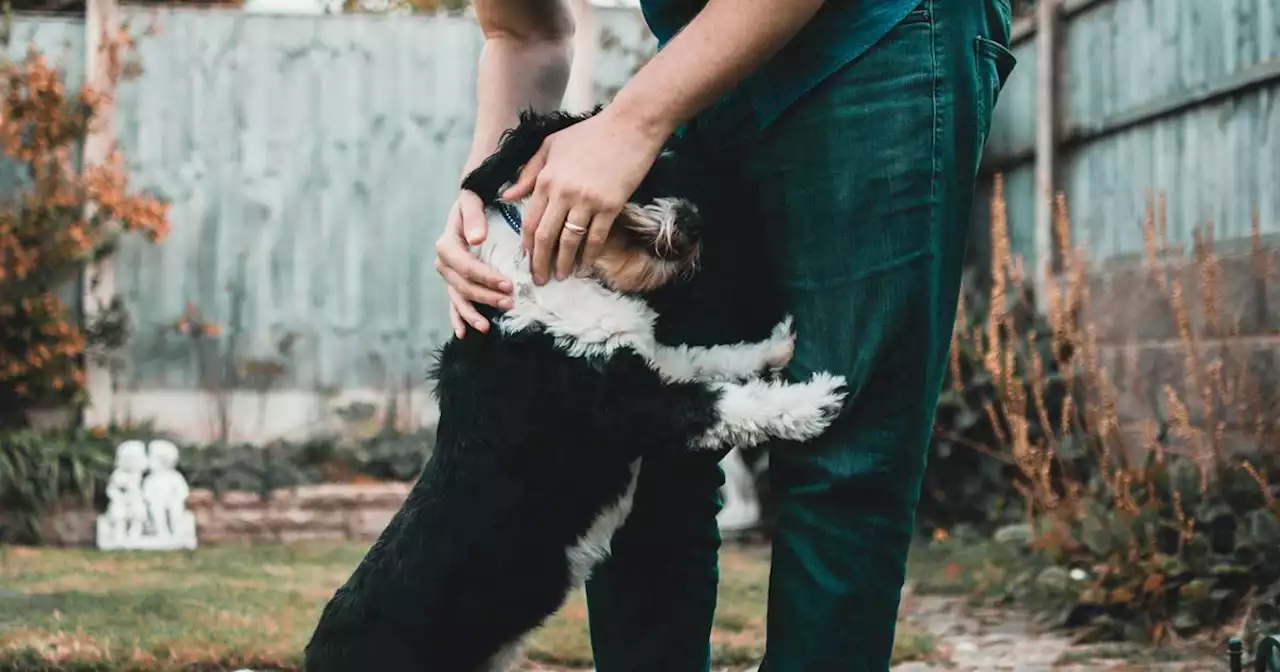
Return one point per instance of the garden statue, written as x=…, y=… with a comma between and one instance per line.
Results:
x=166, y=491
x=741, y=510
x=156, y=506
x=126, y=514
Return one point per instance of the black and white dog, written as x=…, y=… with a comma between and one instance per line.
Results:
x=544, y=421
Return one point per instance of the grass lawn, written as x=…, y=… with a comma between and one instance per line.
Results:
x=220, y=608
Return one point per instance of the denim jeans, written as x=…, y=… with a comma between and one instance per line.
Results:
x=864, y=189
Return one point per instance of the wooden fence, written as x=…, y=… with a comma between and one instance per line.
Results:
x=1114, y=101
x=310, y=161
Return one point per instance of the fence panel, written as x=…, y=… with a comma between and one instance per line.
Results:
x=1172, y=96
x=310, y=161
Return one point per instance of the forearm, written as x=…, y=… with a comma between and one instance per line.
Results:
x=524, y=64
x=719, y=48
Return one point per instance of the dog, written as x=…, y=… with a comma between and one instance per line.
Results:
x=544, y=422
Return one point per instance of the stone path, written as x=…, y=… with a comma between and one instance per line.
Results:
x=970, y=638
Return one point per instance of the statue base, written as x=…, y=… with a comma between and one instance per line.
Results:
x=111, y=541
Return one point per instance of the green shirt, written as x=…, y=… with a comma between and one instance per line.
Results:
x=841, y=31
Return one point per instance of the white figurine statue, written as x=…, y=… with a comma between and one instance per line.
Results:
x=741, y=509
x=126, y=515
x=160, y=519
x=166, y=492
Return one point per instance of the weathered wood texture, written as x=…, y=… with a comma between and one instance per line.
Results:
x=1172, y=96
x=310, y=161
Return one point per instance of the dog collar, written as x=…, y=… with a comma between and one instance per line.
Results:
x=509, y=213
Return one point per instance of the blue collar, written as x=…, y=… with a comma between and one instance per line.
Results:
x=509, y=213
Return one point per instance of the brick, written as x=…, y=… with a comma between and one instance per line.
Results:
x=322, y=512
x=1128, y=304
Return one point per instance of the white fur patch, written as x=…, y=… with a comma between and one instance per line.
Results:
x=588, y=319
x=585, y=317
x=506, y=658
x=728, y=362
x=757, y=410
x=594, y=546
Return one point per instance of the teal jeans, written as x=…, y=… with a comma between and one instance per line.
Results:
x=864, y=188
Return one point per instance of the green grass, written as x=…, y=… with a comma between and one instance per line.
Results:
x=969, y=567
x=225, y=607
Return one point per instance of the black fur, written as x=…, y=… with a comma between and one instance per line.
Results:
x=671, y=175
x=532, y=445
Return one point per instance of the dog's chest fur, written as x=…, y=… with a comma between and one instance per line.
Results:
x=586, y=321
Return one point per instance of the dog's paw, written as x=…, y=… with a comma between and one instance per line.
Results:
x=817, y=403
x=781, y=346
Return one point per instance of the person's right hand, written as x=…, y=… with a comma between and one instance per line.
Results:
x=468, y=279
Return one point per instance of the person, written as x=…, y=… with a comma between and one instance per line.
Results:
x=853, y=128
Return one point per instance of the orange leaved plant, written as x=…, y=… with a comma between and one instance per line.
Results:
x=54, y=223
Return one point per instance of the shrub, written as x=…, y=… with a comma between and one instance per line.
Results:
x=41, y=471
x=282, y=464
x=1169, y=520
x=968, y=479
x=60, y=219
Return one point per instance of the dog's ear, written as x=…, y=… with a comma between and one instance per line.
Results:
x=517, y=147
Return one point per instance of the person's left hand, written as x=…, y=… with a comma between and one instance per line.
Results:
x=578, y=182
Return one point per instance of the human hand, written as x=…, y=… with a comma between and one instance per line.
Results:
x=577, y=184
x=468, y=279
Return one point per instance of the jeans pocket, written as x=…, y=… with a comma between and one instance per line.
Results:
x=994, y=62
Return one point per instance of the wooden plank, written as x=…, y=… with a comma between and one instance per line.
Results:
x=1242, y=83
x=1024, y=28
x=1046, y=136
x=102, y=27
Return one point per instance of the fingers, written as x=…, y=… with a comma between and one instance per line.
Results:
x=474, y=224
x=601, y=223
x=575, y=231
x=463, y=309
x=460, y=267
x=545, y=240
x=471, y=290
x=459, y=327
x=528, y=176
x=452, y=254
x=531, y=216
x=467, y=279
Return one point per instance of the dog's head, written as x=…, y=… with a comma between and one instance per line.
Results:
x=656, y=237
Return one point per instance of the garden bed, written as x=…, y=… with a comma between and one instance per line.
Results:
x=326, y=512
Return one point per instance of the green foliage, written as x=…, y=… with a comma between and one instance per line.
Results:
x=39, y=472
x=1139, y=523
x=282, y=464
x=971, y=475
x=1184, y=561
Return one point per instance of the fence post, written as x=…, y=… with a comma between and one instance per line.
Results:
x=1047, y=13
x=101, y=28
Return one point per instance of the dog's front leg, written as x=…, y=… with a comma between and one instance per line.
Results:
x=727, y=362
x=753, y=412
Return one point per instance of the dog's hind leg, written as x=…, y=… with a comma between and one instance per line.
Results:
x=753, y=412
x=506, y=659
x=727, y=362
